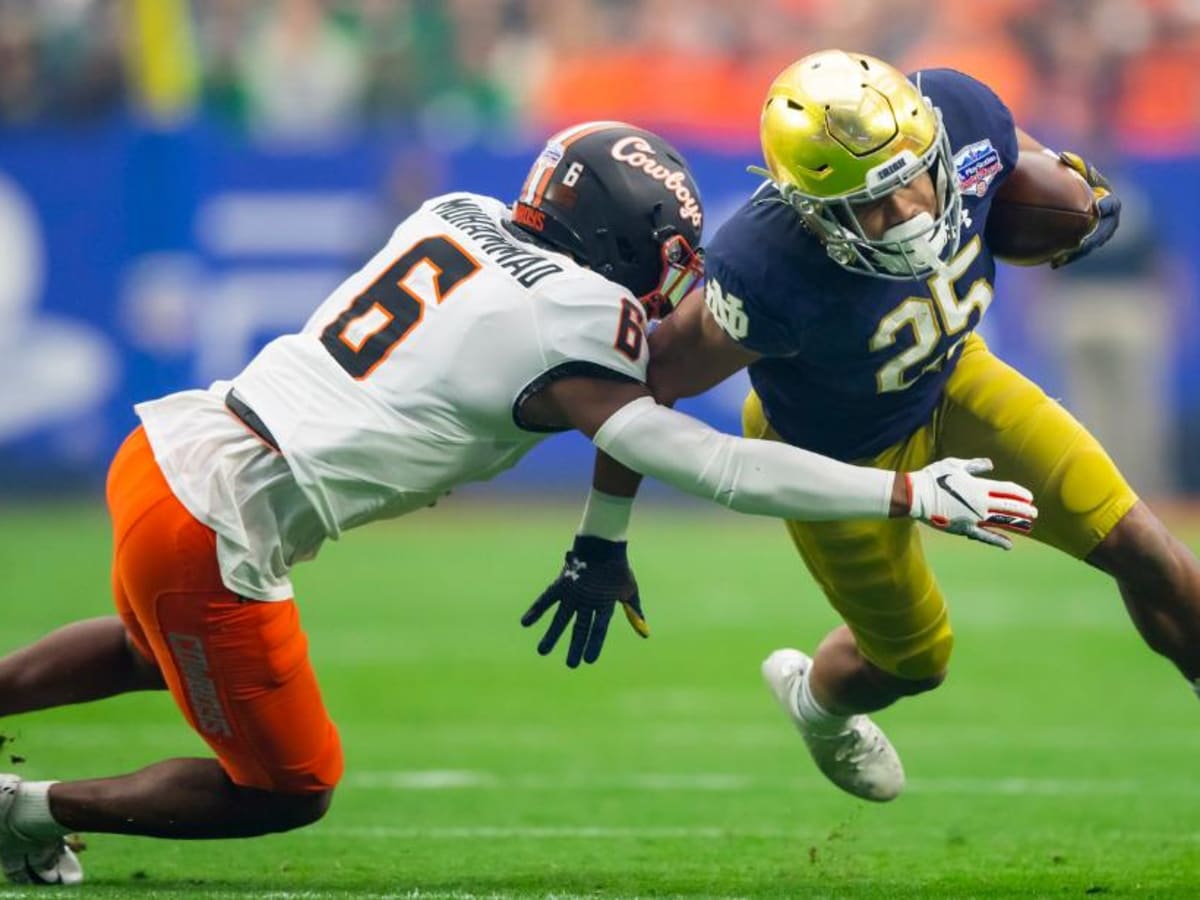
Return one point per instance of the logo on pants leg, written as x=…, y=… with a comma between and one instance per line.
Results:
x=188, y=651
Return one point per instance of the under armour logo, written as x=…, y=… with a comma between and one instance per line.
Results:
x=573, y=569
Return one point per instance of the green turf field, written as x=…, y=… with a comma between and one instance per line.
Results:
x=1058, y=761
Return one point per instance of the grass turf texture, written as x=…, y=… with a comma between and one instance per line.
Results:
x=1058, y=761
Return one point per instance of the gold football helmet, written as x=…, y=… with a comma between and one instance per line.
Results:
x=844, y=129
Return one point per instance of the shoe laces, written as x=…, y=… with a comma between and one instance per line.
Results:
x=857, y=744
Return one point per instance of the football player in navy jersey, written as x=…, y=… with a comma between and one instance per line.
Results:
x=851, y=283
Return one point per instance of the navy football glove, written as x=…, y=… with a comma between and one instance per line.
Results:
x=595, y=577
x=1108, y=205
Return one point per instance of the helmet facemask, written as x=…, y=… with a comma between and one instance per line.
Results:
x=682, y=270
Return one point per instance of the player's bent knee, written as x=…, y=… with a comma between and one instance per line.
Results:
x=1138, y=550
x=910, y=687
x=920, y=667
x=313, y=808
x=144, y=671
x=291, y=811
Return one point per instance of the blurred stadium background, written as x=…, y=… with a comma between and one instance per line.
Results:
x=181, y=180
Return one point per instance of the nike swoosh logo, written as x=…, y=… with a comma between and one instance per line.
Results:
x=943, y=482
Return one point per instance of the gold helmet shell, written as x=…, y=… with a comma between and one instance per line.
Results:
x=842, y=129
x=832, y=117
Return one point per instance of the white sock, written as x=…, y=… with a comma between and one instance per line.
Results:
x=814, y=714
x=30, y=816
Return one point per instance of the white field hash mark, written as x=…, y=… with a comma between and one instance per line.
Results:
x=467, y=779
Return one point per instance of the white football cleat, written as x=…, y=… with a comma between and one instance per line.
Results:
x=49, y=862
x=859, y=759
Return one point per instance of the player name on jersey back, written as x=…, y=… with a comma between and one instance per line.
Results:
x=526, y=266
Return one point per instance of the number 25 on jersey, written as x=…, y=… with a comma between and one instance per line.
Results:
x=942, y=314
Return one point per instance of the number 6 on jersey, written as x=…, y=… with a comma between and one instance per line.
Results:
x=386, y=312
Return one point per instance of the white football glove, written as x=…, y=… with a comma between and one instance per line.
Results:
x=948, y=496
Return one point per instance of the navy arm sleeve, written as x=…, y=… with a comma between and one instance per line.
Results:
x=751, y=290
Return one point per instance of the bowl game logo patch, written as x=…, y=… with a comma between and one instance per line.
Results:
x=551, y=153
x=977, y=165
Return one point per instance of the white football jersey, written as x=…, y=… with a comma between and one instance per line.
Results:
x=404, y=383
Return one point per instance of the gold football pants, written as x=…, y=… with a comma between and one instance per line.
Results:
x=874, y=572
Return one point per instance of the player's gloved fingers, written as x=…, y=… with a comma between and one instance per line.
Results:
x=558, y=624
x=539, y=606
x=1075, y=161
x=976, y=533
x=635, y=616
x=595, y=641
x=977, y=466
x=1003, y=503
x=1089, y=173
x=1009, y=523
x=1095, y=179
x=1109, y=208
x=1012, y=512
x=1010, y=490
x=1070, y=256
x=579, y=636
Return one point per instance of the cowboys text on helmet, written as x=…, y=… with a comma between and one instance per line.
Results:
x=636, y=152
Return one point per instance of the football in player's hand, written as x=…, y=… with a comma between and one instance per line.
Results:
x=1042, y=209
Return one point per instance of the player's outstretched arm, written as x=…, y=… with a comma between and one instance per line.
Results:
x=689, y=353
x=750, y=476
x=775, y=479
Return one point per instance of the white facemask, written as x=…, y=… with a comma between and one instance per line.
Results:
x=920, y=241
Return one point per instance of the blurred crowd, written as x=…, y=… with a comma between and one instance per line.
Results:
x=1074, y=70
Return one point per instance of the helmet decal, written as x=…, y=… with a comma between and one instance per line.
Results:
x=635, y=152
x=552, y=154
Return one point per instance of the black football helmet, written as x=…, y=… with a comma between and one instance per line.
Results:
x=623, y=202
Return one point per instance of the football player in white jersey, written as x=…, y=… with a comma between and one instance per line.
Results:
x=477, y=331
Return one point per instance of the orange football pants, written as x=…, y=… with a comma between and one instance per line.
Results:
x=237, y=668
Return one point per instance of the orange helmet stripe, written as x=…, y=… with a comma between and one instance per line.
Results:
x=566, y=138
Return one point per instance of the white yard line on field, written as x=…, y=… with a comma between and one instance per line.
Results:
x=468, y=779
x=801, y=835
x=456, y=779
x=537, y=832
x=421, y=894
x=731, y=733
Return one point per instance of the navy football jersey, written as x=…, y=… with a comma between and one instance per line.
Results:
x=853, y=364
